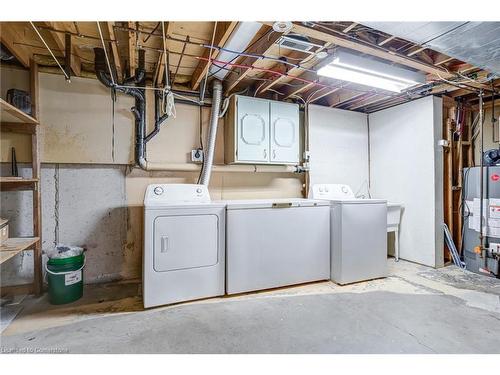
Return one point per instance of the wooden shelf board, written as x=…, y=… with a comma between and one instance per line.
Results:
x=11, y=114
x=17, y=183
x=18, y=127
x=13, y=246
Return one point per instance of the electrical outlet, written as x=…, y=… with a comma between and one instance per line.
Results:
x=197, y=155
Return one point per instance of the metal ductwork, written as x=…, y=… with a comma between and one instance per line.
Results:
x=139, y=110
x=208, y=158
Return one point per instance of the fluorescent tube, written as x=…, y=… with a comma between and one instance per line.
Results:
x=369, y=72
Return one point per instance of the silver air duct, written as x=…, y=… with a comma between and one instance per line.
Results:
x=208, y=158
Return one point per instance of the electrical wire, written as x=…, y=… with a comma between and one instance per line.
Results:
x=50, y=51
x=263, y=57
x=204, y=87
x=106, y=55
x=298, y=78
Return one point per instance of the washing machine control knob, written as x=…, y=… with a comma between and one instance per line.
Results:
x=158, y=190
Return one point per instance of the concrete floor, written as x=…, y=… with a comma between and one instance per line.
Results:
x=415, y=310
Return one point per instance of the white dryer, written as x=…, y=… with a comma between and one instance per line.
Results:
x=358, y=234
x=184, y=244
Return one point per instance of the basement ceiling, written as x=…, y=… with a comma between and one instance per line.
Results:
x=197, y=52
x=475, y=42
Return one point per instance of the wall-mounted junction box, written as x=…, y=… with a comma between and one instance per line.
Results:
x=197, y=155
x=261, y=131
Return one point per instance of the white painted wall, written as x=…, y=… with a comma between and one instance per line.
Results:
x=490, y=133
x=338, y=144
x=407, y=166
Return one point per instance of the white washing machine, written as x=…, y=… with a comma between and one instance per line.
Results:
x=276, y=242
x=184, y=244
x=358, y=234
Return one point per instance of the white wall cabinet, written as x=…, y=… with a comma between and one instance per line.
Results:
x=260, y=131
x=284, y=124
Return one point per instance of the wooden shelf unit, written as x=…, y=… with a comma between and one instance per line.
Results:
x=14, y=120
x=14, y=115
x=14, y=246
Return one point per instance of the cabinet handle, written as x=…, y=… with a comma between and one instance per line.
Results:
x=265, y=153
x=274, y=154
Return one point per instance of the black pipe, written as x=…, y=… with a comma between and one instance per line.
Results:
x=158, y=119
x=139, y=110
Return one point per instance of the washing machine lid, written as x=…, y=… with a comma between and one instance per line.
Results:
x=162, y=195
x=273, y=203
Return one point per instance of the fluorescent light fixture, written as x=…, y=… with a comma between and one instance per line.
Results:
x=358, y=69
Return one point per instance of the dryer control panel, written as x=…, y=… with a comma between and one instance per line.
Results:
x=165, y=194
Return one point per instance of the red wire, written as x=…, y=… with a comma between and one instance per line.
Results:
x=275, y=72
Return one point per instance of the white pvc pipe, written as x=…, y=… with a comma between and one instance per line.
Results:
x=181, y=167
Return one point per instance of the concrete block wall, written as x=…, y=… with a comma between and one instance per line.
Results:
x=83, y=205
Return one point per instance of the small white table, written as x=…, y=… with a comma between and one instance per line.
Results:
x=393, y=220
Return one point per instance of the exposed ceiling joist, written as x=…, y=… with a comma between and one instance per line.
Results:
x=261, y=47
x=307, y=63
x=350, y=27
x=8, y=37
x=289, y=91
x=223, y=32
x=387, y=40
x=444, y=60
x=415, y=51
x=369, y=49
x=75, y=61
x=132, y=42
x=342, y=97
x=368, y=101
x=159, y=75
x=114, y=50
x=318, y=94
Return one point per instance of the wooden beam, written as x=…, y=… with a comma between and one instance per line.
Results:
x=114, y=50
x=132, y=41
x=369, y=49
x=222, y=34
x=36, y=174
x=9, y=36
x=314, y=96
x=160, y=64
x=307, y=63
x=261, y=47
x=76, y=63
x=443, y=61
x=160, y=68
x=343, y=97
x=299, y=86
x=350, y=27
x=9, y=113
x=368, y=101
x=387, y=40
x=414, y=52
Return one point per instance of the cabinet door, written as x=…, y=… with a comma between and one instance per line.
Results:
x=284, y=143
x=253, y=130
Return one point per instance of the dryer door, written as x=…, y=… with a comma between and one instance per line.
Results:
x=185, y=241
